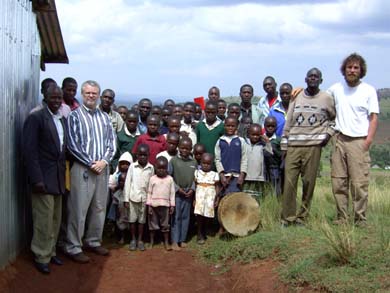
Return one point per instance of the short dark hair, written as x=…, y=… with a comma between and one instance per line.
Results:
x=68, y=80
x=246, y=85
x=354, y=57
x=287, y=85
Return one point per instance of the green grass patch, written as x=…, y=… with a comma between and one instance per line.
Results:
x=342, y=258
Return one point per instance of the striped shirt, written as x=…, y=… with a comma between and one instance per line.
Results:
x=91, y=136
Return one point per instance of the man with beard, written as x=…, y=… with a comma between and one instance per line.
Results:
x=356, y=122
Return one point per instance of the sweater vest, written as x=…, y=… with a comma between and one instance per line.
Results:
x=231, y=155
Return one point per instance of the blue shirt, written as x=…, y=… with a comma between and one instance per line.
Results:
x=280, y=115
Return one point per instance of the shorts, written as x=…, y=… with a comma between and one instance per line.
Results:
x=137, y=212
x=159, y=220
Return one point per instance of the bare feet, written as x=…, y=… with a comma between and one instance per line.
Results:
x=175, y=247
x=167, y=247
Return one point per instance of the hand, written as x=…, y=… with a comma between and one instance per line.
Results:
x=126, y=204
x=366, y=144
x=264, y=138
x=189, y=193
x=224, y=180
x=240, y=180
x=171, y=210
x=98, y=166
x=39, y=188
x=150, y=210
x=295, y=92
x=325, y=141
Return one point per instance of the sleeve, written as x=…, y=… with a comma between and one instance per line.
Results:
x=172, y=193
x=216, y=177
x=137, y=142
x=244, y=157
x=74, y=145
x=332, y=116
x=150, y=192
x=121, y=123
x=287, y=125
x=110, y=142
x=218, y=162
x=128, y=182
x=373, y=104
x=31, y=149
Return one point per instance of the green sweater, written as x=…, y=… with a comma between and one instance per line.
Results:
x=182, y=171
x=124, y=144
x=209, y=137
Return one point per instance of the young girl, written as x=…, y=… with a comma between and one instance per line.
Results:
x=205, y=194
x=160, y=201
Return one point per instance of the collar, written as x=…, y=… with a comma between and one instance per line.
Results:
x=90, y=111
x=55, y=115
x=137, y=133
x=137, y=165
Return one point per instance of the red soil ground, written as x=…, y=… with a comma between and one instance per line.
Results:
x=154, y=270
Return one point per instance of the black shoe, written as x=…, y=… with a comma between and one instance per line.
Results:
x=42, y=267
x=55, y=260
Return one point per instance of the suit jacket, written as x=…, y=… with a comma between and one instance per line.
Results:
x=45, y=161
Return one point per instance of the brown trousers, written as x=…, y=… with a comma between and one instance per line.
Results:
x=350, y=173
x=302, y=161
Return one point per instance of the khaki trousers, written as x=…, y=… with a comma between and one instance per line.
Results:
x=302, y=161
x=86, y=208
x=350, y=173
x=46, y=214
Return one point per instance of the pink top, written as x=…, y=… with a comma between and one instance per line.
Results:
x=161, y=192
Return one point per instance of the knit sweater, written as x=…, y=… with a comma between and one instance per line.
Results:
x=309, y=120
x=182, y=171
x=208, y=137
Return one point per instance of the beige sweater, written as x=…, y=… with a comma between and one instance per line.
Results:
x=309, y=120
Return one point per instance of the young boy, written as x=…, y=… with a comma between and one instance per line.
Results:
x=182, y=168
x=221, y=114
x=178, y=111
x=126, y=137
x=273, y=160
x=243, y=127
x=199, y=150
x=156, y=110
x=210, y=129
x=135, y=194
x=160, y=201
x=231, y=158
x=122, y=110
x=186, y=128
x=234, y=110
x=165, y=114
x=256, y=145
x=172, y=143
x=174, y=124
x=152, y=138
x=198, y=115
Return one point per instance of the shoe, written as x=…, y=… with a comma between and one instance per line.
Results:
x=42, y=267
x=99, y=250
x=79, y=257
x=55, y=260
x=201, y=241
x=141, y=246
x=133, y=245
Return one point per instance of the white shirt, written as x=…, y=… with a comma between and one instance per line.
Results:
x=136, y=184
x=60, y=128
x=353, y=107
x=189, y=130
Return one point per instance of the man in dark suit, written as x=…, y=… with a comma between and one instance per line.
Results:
x=44, y=145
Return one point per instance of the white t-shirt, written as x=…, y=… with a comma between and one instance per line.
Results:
x=353, y=107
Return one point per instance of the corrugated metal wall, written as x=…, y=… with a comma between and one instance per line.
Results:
x=19, y=82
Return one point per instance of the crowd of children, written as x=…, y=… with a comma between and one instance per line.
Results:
x=181, y=165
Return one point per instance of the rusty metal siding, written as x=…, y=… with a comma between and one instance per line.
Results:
x=19, y=80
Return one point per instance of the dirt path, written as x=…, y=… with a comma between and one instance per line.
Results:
x=154, y=270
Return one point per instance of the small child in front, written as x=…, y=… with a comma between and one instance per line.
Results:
x=135, y=194
x=256, y=145
x=160, y=201
x=231, y=159
x=199, y=150
x=273, y=160
x=206, y=192
x=182, y=169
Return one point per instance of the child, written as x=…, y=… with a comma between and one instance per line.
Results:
x=165, y=114
x=210, y=129
x=122, y=110
x=273, y=160
x=205, y=195
x=221, y=114
x=174, y=124
x=198, y=115
x=135, y=194
x=160, y=201
x=234, y=110
x=182, y=168
x=199, y=150
x=156, y=110
x=231, y=158
x=178, y=111
x=255, y=145
x=186, y=128
x=172, y=143
x=243, y=127
x=126, y=137
x=117, y=211
x=152, y=138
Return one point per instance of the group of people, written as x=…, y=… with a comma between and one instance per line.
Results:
x=159, y=165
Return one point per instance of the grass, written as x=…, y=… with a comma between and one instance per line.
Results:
x=342, y=258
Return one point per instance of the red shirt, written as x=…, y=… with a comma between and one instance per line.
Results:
x=272, y=101
x=156, y=145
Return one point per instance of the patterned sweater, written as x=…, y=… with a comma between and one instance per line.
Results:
x=309, y=120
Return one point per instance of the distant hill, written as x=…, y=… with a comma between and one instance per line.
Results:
x=383, y=93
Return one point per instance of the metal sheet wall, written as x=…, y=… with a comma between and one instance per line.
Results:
x=19, y=82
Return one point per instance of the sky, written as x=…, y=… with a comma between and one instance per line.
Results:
x=179, y=48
